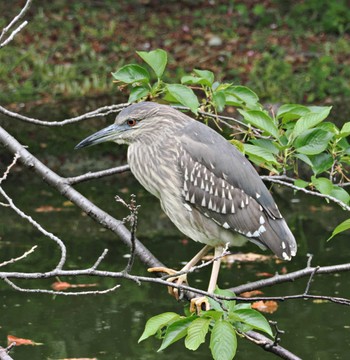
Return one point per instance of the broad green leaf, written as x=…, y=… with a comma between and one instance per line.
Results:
x=132, y=73
x=176, y=331
x=266, y=144
x=261, y=120
x=137, y=93
x=301, y=183
x=312, y=141
x=156, y=59
x=196, y=333
x=192, y=80
x=228, y=304
x=321, y=162
x=232, y=100
x=205, y=74
x=219, y=100
x=328, y=126
x=242, y=306
x=323, y=185
x=304, y=158
x=184, y=96
x=252, y=318
x=291, y=112
x=345, y=225
x=345, y=130
x=260, y=152
x=156, y=322
x=243, y=93
x=223, y=341
x=309, y=120
x=340, y=194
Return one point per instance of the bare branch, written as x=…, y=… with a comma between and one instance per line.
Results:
x=13, y=22
x=100, y=112
x=54, y=292
x=20, y=257
x=4, y=352
x=97, y=175
x=58, y=241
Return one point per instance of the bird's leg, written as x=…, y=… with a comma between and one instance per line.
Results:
x=181, y=279
x=201, y=303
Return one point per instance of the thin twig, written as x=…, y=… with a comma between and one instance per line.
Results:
x=20, y=257
x=53, y=237
x=7, y=28
x=53, y=292
x=310, y=192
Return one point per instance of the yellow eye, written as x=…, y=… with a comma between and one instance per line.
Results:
x=131, y=122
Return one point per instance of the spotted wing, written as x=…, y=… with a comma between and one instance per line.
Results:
x=224, y=186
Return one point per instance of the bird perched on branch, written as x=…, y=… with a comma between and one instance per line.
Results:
x=209, y=190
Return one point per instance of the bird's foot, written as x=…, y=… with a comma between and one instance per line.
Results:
x=199, y=304
x=178, y=280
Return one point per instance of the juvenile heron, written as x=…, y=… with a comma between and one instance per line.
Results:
x=208, y=189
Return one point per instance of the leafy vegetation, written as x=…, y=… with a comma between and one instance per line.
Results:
x=223, y=322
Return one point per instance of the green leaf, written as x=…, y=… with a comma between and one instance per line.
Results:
x=290, y=112
x=137, y=93
x=261, y=120
x=264, y=154
x=176, y=331
x=266, y=144
x=132, y=73
x=184, y=96
x=340, y=194
x=157, y=322
x=301, y=183
x=304, y=158
x=191, y=80
x=244, y=94
x=323, y=185
x=310, y=120
x=206, y=75
x=321, y=162
x=156, y=59
x=345, y=225
x=252, y=318
x=228, y=304
x=219, y=100
x=196, y=333
x=313, y=141
x=345, y=130
x=223, y=341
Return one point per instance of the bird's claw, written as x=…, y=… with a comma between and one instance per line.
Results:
x=198, y=304
x=178, y=280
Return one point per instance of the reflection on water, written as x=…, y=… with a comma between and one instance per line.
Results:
x=108, y=326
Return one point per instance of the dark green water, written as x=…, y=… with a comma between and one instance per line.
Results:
x=108, y=326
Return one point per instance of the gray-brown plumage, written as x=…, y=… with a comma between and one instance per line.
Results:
x=208, y=189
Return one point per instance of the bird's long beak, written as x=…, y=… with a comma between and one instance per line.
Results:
x=109, y=133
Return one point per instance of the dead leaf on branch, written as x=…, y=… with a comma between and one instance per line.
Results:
x=62, y=285
x=269, y=306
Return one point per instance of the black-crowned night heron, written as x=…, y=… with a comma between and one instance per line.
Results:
x=208, y=189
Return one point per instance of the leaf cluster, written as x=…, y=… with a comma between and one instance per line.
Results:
x=223, y=322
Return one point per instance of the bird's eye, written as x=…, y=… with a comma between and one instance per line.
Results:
x=131, y=122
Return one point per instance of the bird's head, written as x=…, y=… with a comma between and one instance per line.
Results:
x=138, y=122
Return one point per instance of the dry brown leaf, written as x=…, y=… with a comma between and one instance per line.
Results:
x=62, y=285
x=47, y=208
x=265, y=306
x=20, y=341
